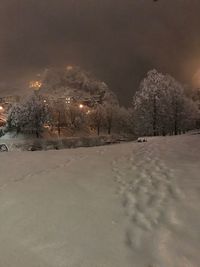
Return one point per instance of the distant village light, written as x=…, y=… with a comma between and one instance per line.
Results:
x=35, y=85
x=81, y=106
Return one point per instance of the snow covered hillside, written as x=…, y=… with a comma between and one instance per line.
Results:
x=126, y=205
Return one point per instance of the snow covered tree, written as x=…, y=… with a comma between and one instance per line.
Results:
x=196, y=98
x=176, y=103
x=110, y=116
x=191, y=115
x=28, y=116
x=180, y=110
x=15, y=118
x=74, y=81
x=123, y=122
x=97, y=118
x=161, y=106
x=147, y=103
x=75, y=118
x=57, y=114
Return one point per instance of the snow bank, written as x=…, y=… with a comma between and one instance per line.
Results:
x=22, y=143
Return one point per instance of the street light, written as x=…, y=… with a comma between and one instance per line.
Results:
x=81, y=106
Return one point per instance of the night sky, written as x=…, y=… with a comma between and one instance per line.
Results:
x=117, y=40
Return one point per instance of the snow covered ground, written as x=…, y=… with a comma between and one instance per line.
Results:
x=126, y=205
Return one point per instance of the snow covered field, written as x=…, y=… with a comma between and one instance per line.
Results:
x=126, y=205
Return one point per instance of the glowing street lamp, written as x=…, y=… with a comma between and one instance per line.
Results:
x=81, y=106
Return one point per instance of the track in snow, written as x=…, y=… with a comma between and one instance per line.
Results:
x=145, y=186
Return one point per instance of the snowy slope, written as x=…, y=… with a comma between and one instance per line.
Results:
x=130, y=205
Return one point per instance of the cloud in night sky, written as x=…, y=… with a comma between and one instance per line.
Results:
x=117, y=40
